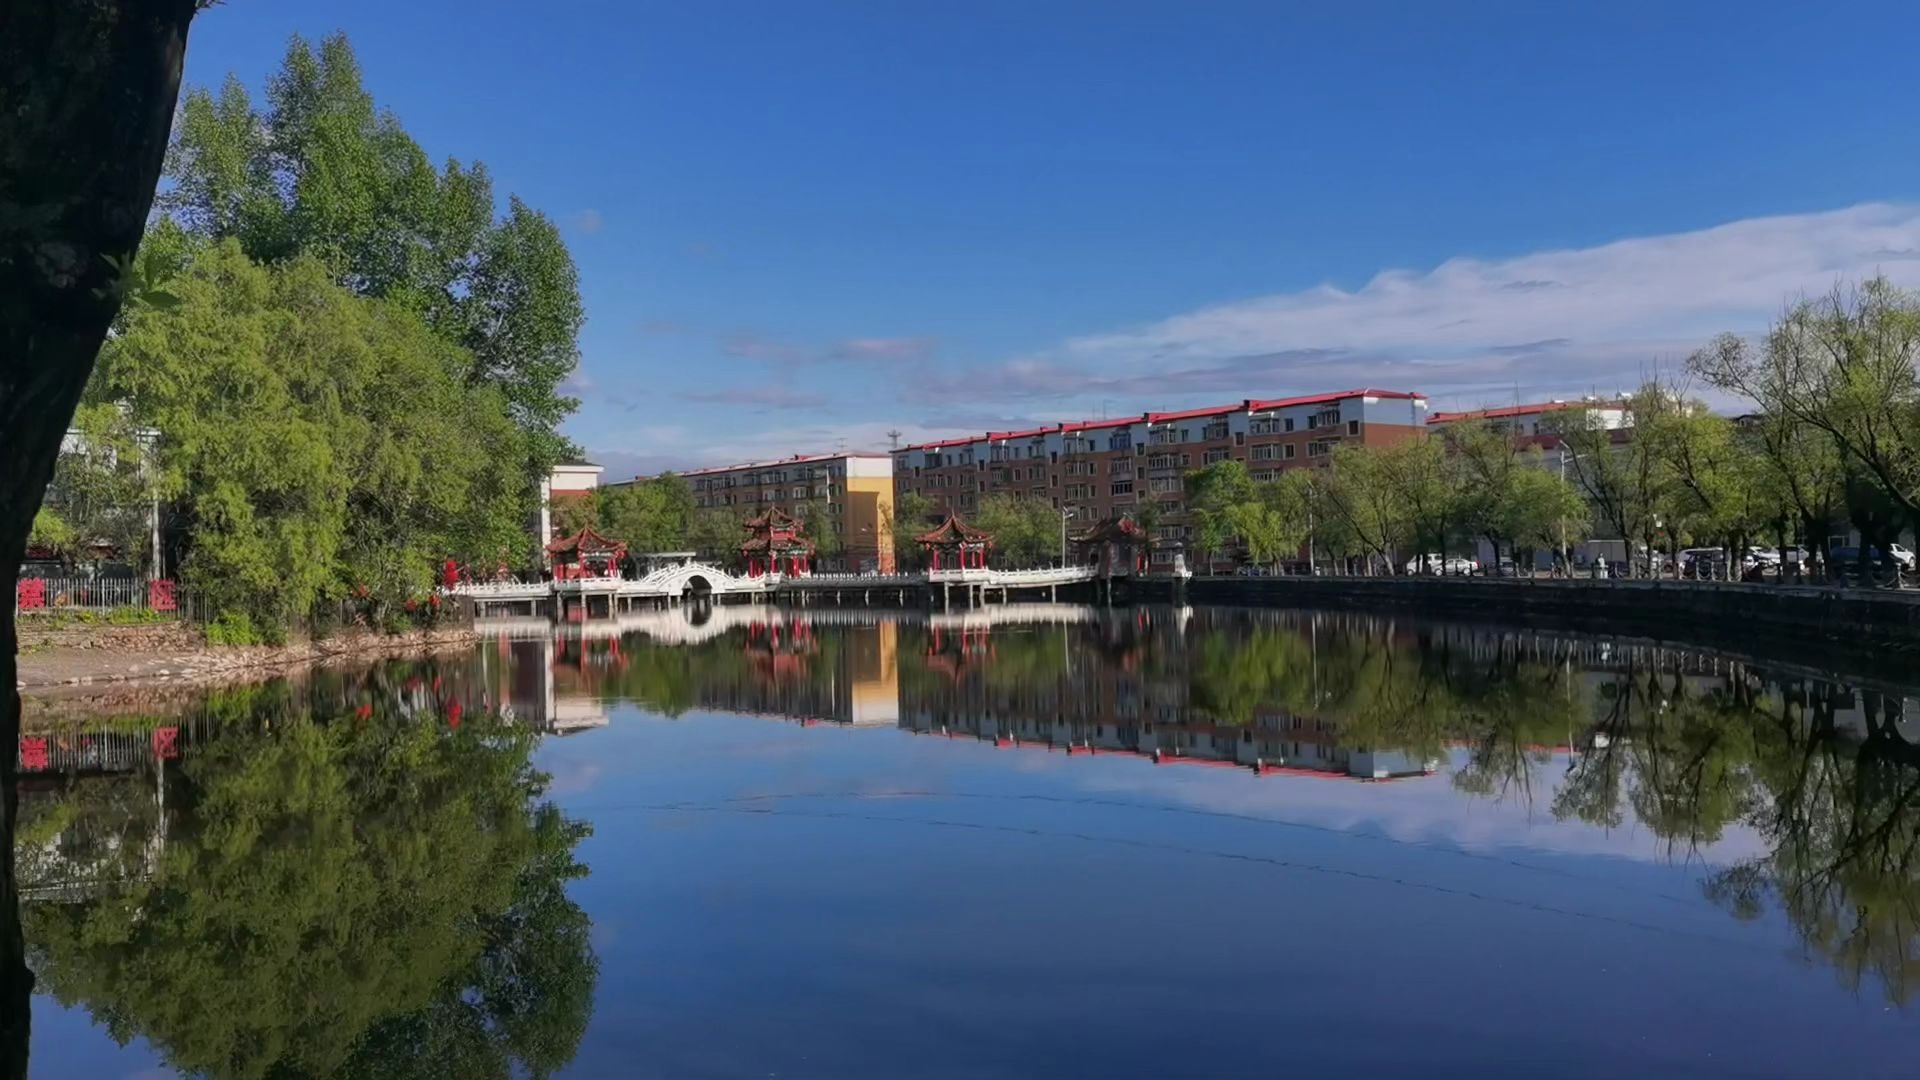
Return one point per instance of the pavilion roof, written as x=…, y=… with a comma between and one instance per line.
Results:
x=1114, y=529
x=760, y=543
x=771, y=518
x=955, y=531
x=587, y=539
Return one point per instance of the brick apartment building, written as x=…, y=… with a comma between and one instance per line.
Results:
x=1095, y=469
x=856, y=489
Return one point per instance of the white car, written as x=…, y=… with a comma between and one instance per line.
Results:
x=1437, y=564
x=1902, y=556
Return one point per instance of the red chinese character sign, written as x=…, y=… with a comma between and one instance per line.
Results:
x=31, y=594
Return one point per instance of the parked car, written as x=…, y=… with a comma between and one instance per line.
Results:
x=1439, y=564
x=1843, y=559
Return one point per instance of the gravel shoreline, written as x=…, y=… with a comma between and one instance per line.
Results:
x=69, y=660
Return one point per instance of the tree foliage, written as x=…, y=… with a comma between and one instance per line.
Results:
x=315, y=443
x=322, y=172
x=1026, y=530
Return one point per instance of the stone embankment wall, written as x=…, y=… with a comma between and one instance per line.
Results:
x=1882, y=622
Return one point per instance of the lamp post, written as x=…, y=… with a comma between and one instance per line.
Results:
x=1065, y=513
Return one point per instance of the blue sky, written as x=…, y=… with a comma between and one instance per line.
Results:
x=802, y=225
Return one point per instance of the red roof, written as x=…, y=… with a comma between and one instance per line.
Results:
x=1337, y=395
x=1521, y=410
x=1120, y=529
x=1181, y=414
x=954, y=531
x=587, y=539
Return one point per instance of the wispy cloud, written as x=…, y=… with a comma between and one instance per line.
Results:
x=850, y=351
x=1597, y=318
x=771, y=397
x=588, y=222
x=883, y=350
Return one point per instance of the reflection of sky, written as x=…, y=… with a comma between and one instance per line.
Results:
x=1426, y=810
x=769, y=900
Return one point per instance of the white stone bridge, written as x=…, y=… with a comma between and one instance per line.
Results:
x=593, y=596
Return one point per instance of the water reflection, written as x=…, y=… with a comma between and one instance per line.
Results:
x=257, y=891
x=359, y=872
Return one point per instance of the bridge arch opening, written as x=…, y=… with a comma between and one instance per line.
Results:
x=697, y=587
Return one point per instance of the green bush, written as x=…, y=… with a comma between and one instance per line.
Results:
x=233, y=628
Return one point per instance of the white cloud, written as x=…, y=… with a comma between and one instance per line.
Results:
x=1469, y=330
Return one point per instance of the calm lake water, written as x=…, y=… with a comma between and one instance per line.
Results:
x=1039, y=841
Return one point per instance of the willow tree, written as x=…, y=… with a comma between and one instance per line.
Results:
x=89, y=90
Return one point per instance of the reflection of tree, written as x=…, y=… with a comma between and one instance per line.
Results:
x=374, y=896
x=1843, y=827
x=16, y=984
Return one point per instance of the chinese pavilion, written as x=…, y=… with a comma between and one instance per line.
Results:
x=586, y=554
x=774, y=545
x=956, y=545
x=1116, y=545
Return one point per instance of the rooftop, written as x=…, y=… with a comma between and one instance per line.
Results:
x=1249, y=404
x=1523, y=410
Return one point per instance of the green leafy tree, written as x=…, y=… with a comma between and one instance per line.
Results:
x=316, y=444
x=1628, y=481
x=1212, y=494
x=323, y=172
x=1842, y=365
x=649, y=515
x=1362, y=509
x=910, y=515
x=1026, y=530
x=1426, y=483
x=716, y=533
x=374, y=898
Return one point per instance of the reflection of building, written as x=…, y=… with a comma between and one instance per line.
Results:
x=1118, y=686
x=849, y=676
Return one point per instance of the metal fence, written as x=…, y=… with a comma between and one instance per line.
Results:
x=95, y=594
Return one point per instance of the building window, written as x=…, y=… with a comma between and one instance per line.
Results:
x=1217, y=455
x=1164, y=461
x=1287, y=451
x=1160, y=485
x=1318, y=448
x=1118, y=466
x=1215, y=430
x=1123, y=487
x=1120, y=440
x=1353, y=427
x=1267, y=452
x=1288, y=424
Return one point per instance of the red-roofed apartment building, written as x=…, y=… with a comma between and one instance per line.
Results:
x=1094, y=469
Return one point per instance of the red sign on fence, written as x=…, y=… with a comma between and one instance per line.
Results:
x=33, y=755
x=31, y=594
x=160, y=595
x=166, y=741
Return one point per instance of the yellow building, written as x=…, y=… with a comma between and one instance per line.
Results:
x=852, y=491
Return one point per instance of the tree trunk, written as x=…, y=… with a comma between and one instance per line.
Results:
x=16, y=981
x=86, y=103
